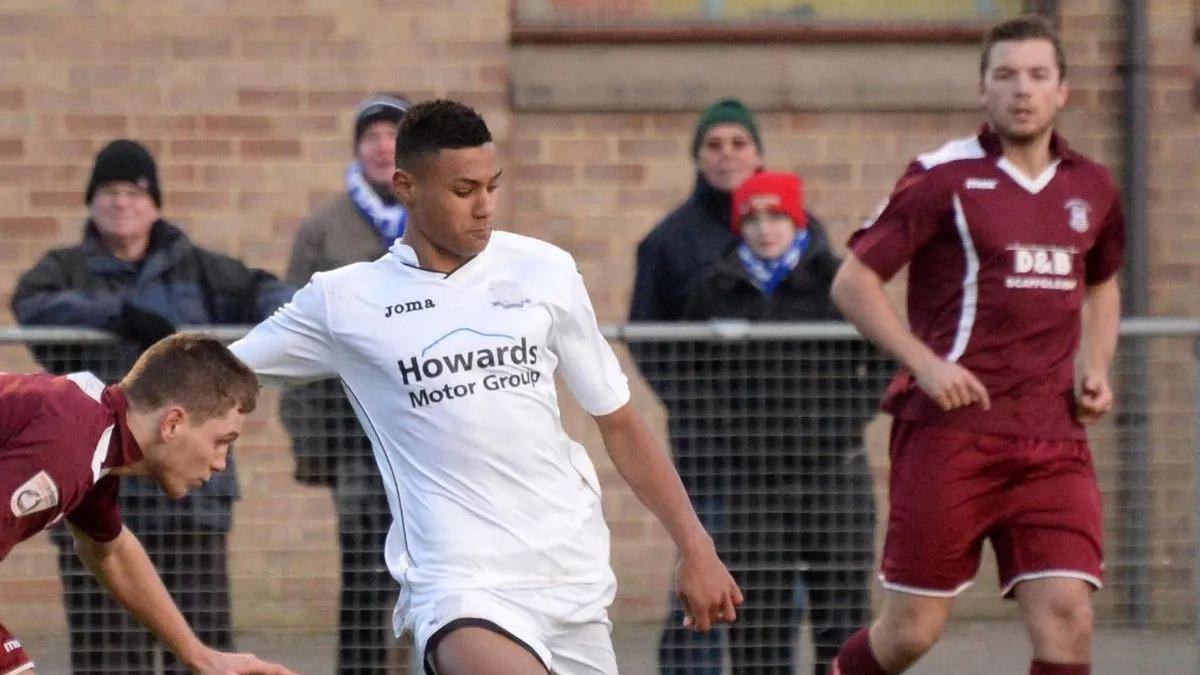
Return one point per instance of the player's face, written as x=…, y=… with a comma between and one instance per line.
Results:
x=451, y=198
x=727, y=156
x=123, y=211
x=768, y=234
x=376, y=151
x=1022, y=89
x=195, y=451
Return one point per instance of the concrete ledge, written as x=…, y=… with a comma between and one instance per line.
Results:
x=686, y=77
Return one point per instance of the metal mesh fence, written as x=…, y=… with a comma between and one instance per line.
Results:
x=774, y=430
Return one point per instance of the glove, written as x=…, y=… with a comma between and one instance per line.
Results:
x=142, y=326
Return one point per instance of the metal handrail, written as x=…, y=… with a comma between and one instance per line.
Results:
x=1146, y=326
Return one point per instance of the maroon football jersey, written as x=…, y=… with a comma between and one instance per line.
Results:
x=999, y=265
x=59, y=438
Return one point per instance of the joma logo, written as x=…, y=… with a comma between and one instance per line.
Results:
x=410, y=306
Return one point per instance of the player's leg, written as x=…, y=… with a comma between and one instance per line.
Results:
x=1058, y=616
x=477, y=649
x=1049, y=552
x=946, y=487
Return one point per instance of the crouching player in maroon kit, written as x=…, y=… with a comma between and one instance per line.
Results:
x=66, y=441
x=1013, y=242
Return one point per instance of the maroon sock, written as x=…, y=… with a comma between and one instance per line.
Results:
x=1043, y=668
x=856, y=657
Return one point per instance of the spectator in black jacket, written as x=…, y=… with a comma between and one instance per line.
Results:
x=140, y=277
x=777, y=433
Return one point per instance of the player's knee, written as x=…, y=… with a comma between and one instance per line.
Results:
x=913, y=635
x=1066, y=621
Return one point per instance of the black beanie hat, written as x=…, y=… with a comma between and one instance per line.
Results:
x=389, y=107
x=125, y=160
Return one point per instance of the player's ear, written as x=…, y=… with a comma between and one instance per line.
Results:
x=173, y=418
x=402, y=183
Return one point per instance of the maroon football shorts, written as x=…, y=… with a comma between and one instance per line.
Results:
x=13, y=658
x=1036, y=500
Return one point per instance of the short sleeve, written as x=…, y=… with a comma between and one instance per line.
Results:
x=586, y=360
x=99, y=514
x=294, y=343
x=1107, y=254
x=906, y=221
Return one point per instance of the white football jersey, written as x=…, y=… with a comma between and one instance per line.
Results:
x=452, y=378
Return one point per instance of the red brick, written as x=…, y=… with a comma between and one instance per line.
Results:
x=337, y=100
x=28, y=226
x=274, y=49
x=165, y=124
x=277, y=148
x=548, y=173
x=274, y=99
x=339, y=49
x=237, y=124
x=201, y=48
x=200, y=200
x=11, y=148
x=105, y=125
x=12, y=98
x=304, y=26
x=201, y=148
x=623, y=174
x=124, y=50
x=650, y=148
x=55, y=200
x=98, y=76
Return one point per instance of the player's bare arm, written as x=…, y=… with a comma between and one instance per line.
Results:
x=1100, y=321
x=123, y=567
x=858, y=292
x=708, y=591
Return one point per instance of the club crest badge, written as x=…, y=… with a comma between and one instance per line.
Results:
x=1077, y=214
x=36, y=494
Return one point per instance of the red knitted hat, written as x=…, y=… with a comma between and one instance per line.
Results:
x=773, y=192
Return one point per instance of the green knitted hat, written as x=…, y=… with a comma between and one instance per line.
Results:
x=725, y=110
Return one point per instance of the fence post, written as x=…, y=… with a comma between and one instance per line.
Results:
x=1196, y=497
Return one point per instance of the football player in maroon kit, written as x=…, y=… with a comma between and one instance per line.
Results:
x=1013, y=242
x=66, y=441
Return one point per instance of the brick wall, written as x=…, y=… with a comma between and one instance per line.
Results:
x=247, y=107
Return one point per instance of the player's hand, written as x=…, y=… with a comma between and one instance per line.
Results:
x=951, y=386
x=706, y=589
x=1093, y=398
x=226, y=663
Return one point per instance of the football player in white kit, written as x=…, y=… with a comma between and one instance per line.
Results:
x=447, y=347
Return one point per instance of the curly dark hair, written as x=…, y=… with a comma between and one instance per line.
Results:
x=432, y=126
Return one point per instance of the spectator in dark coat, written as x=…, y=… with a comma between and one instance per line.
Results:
x=140, y=277
x=777, y=434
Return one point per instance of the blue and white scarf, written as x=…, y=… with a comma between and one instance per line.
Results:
x=388, y=220
x=768, y=274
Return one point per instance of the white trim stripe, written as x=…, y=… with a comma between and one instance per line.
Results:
x=970, y=299
x=926, y=592
x=21, y=668
x=1032, y=186
x=101, y=452
x=89, y=383
x=1051, y=574
x=953, y=151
